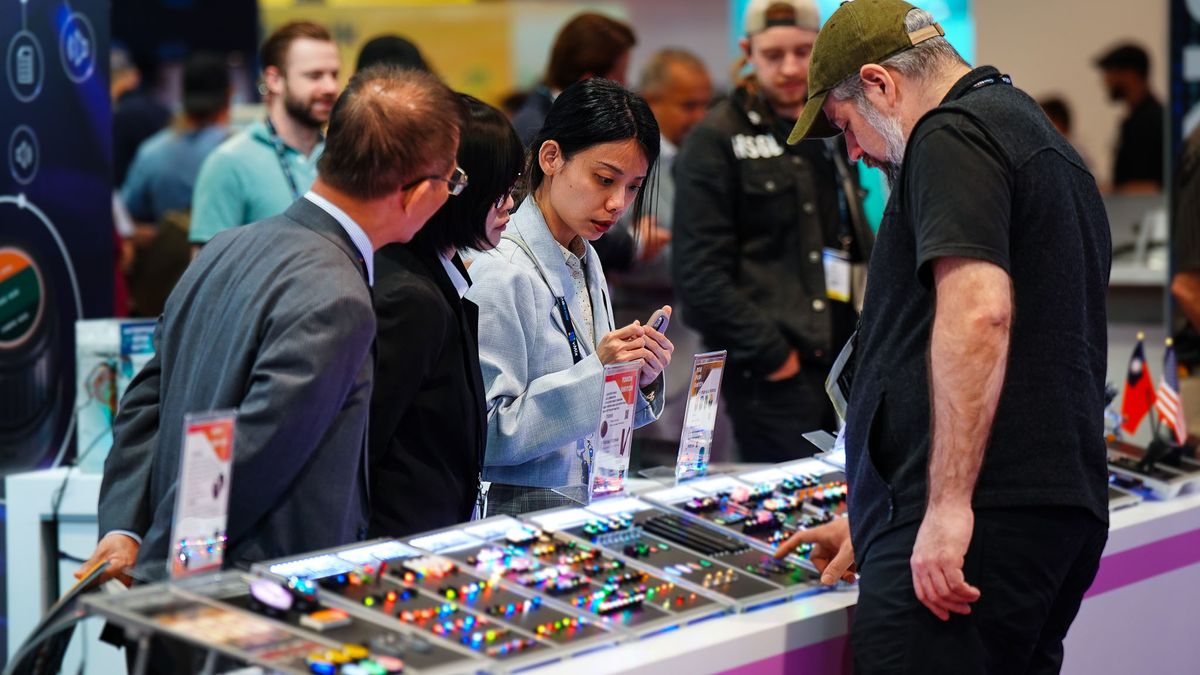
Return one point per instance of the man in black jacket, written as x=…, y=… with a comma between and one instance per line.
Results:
x=766, y=237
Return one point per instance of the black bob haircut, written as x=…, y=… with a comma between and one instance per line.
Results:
x=490, y=152
x=595, y=111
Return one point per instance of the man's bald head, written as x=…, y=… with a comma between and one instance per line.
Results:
x=389, y=127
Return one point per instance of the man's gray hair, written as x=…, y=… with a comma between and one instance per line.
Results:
x=920, y=63
x=656, y=72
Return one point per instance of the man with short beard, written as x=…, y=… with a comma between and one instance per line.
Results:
x=978, y=506
x=259, y=172
x=764, y=236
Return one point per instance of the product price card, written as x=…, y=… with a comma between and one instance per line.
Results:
x=700, y=417
x=198, y=535
x=614, y=437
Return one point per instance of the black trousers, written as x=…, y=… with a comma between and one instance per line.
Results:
x=769, y=418
x=1032, y=567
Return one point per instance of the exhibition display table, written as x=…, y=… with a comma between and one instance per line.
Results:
x=1137, y=617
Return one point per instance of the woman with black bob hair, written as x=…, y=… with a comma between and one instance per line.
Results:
x=428, y=418
x=545, y=321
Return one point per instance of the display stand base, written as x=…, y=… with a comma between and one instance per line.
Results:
x=663, y=475
x=576, y=493
x=822, y=439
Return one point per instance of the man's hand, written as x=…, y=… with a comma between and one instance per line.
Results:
x=937, y=561
x=832, y=552
x=789, y=369
x=652, y=238
x=120, y=551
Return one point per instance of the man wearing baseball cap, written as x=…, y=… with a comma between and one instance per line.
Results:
x=757, y=224
x=975, y=451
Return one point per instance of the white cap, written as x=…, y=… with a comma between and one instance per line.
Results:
x=764, y=14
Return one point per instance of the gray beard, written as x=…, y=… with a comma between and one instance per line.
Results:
x=892, y=133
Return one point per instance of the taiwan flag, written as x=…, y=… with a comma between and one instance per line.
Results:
x=1139, y=390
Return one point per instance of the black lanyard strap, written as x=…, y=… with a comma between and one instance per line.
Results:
x=566, y=319
x=281, y=154
x=563, y=311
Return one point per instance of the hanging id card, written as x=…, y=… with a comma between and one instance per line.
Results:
x=837, y=274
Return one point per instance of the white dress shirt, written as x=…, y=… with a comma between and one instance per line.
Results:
x=356, y=234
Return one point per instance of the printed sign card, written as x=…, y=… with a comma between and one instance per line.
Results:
x=202, y=499
x=695, y=445
x=614, y=437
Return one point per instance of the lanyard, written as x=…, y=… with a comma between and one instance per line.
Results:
x=570, y=327
x=281, y=154
x=583, y=453
x=849, y=205
x=559, y=300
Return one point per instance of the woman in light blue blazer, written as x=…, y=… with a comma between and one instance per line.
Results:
x=545, y=322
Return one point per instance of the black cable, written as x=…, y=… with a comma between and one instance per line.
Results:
x=36, y=641
x=83, y=648
x=61, y=491
x=56, y=503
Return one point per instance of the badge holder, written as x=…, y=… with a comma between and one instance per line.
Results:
x=700, y=418
x=198, y=534
x=607, y=454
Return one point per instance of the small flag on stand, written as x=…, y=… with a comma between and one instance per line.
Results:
x=1167, y=403
x=1139, y=390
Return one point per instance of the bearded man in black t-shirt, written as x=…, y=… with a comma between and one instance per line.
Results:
x=974, y=437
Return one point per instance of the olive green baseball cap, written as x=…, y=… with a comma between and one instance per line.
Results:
x=858, y=33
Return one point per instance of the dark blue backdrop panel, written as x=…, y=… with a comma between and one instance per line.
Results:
x=56, y=234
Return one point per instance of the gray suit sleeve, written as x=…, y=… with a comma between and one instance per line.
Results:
x=125, y=487
x=310, y=356
x=529, y=414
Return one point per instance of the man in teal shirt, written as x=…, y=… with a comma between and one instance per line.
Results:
x=260, y=171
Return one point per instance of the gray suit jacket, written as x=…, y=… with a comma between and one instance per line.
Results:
x=273, y=319
x=541, y=404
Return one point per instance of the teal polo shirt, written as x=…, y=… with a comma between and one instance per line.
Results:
x=242, y=181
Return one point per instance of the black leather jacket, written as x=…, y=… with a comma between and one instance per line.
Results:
x=752, y=216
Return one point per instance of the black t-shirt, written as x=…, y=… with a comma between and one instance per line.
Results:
x=1140, y=146
x=986, y=177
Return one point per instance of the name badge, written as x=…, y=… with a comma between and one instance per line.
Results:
x=837, y=274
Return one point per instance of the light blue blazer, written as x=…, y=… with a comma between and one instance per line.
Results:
x=542, y=406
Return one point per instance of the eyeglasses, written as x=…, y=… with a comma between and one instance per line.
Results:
x=455, y=183
x=499, y=203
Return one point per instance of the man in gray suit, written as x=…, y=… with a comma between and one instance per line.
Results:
x=276, y=321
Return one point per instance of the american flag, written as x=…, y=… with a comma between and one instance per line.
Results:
x=1167, y=403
